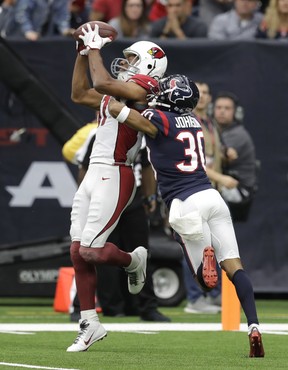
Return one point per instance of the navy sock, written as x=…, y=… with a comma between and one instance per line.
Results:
x=245, y=294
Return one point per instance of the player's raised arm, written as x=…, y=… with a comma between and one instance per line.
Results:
x=81, y=92
x=132, y=118
x=103, y=82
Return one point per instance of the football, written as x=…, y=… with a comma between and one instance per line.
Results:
x=105, y=30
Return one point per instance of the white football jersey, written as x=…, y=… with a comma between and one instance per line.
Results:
x=115, y=142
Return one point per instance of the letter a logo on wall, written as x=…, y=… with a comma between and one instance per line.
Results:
x=62, y=185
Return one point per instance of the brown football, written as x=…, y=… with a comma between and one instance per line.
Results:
x=105, y=30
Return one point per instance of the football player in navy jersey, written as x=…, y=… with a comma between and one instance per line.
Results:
x=197, y=213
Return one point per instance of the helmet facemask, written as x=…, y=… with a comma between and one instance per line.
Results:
x=122, y=69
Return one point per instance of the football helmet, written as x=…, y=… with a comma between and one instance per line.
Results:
x=177, y=93
x=149, y=59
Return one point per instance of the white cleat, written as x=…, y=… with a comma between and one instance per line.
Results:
x=201, y=306
x=137, y=276
x=89, y=333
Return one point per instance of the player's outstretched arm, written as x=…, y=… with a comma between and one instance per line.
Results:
x=81, y=92
x=103, y=82
x=132, y=118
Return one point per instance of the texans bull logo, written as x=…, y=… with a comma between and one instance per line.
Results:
x=179, y=91
x=156, y=53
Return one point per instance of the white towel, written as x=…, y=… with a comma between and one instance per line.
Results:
x=188, y=226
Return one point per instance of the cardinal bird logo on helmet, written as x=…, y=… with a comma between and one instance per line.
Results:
x=179, y=90
x=156, y=53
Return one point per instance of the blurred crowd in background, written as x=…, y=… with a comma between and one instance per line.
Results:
x=141, y=19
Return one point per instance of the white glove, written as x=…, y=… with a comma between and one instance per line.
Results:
x=81, y=49
x=92, y=39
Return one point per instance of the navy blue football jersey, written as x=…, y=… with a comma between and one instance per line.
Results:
x=177, y=154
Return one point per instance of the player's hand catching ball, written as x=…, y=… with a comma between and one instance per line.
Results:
x=81, y=48
x=91, y=38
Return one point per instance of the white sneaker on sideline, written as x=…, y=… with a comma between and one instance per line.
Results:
x=137, y=276
x=214, y=301
x=89, y=333
x=201, y=306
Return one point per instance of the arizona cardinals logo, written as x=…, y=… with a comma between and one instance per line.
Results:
x=179, y=91
x=156, y=53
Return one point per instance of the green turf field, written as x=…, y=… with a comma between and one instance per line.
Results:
x=144, y=350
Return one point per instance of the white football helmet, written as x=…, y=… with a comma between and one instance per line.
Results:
x=149, y=59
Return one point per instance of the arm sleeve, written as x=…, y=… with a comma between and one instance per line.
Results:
x=158, y=119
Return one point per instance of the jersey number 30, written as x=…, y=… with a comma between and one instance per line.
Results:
x=194, y=151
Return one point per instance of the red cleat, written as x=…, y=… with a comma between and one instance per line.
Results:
x=209, y=271
x=256, y=345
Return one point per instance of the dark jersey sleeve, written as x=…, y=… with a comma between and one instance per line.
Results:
x=158, y=119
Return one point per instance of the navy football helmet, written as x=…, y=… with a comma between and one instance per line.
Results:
x=177, y=93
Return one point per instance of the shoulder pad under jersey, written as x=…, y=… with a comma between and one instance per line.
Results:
x=147, y=82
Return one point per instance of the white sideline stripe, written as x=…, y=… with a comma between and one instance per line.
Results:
x=34, y=367
x=17, y=332
x=137, y=327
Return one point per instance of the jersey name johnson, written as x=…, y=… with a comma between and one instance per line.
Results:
x=186, y=121
x=177, y=154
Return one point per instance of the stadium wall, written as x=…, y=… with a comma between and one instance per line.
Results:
x=37, y=186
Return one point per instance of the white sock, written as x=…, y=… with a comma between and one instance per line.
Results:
x=253, y=326
x=90, y=315
x=134, y=262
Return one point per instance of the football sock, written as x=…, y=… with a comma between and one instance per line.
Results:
x=112, y=255
x=86, y=278
x=134, y=262
x=245, y=294
x=90, y=315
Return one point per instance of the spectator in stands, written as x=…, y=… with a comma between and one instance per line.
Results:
x=79, y=12
x=105, y=10
x=213, y=145
x=132, y=21
x=208, y=9
x=178, y=23
x=36, y=18
x=239, y=23
x=6, y=15
x=158, y=9
x=274, y=25
x=244, y=167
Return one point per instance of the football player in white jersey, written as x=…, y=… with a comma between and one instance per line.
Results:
x=109, y=185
